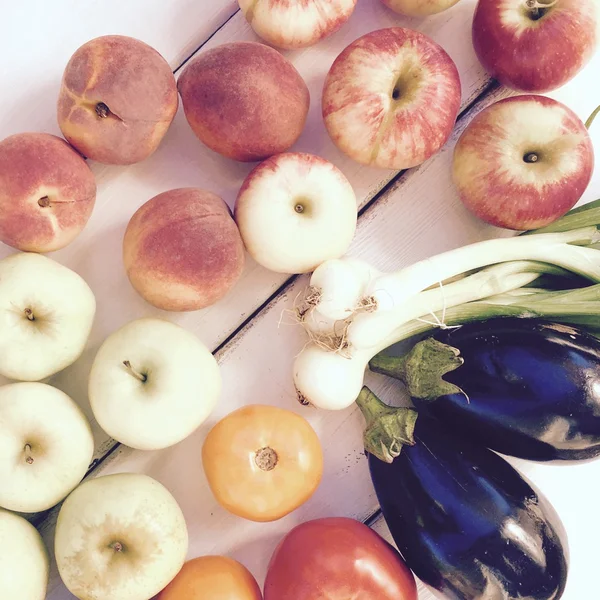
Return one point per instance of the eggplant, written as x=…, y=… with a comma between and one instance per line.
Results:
x=465, y=521
x=523, y=387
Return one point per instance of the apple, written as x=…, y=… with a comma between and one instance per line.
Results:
x=296, y=24
x=391, y=98
x=419, y=8
x=296, y=211
x=120, y=537
x=535, y=45
x=152, y=384
x=182, y=250
x=46, y=446
x=24, y=564
x=46, y=311
x=523, y=162
x=244, y=100
x=47, y=192
x=117, y=100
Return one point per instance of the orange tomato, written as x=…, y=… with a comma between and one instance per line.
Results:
x=212, y=578
x=262, y=462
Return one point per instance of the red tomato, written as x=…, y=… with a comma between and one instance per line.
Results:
x=337, y=559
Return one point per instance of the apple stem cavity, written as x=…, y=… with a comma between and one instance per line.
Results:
x=141, y=376
x=116, y=546
x=266, y=459
x=28, y=458
x=591, y=118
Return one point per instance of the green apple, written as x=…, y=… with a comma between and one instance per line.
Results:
x=24, y=561
x=46, y=315
x=152, y=384
x=120, y=537
x=46, y=446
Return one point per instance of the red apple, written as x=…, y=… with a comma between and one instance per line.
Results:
x=535, y=45
x=391, y=98
x=296, y=24
x=523, y=162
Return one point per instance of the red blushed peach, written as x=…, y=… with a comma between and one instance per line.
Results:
x=244, y=100
x=296, y=24
x=47, y=192
x=182, y=250
x=117, y=100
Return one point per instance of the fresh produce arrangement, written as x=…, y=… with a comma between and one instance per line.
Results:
x=497, y=343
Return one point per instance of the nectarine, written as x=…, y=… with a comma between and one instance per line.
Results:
x=182, y=250
x=117, y=100
x=47, y=192
x=212, y=578
x=244, y=100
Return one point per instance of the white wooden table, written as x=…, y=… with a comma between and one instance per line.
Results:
x=405, y=218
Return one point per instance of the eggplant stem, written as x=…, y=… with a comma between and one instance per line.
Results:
x=422, y=370
x=388, y=428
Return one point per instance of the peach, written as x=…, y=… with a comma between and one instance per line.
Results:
x=47, y=192
x=117, y=100
x=296, y=24
x=244, y=100
x=182, y=250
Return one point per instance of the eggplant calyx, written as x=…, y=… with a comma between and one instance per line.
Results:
x=422, y=370
x=388, y=428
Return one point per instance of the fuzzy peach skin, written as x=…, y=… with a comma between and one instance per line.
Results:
x=391, y=98
x=182, y=250
x=419, y=8
x=244, y=100
x=117, y=100
x=296, y=23
x=47, y=192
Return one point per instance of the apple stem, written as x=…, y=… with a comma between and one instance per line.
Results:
x=29, y=314
x=266, y=459
x=44, y=202
x=143, y=378
x=535, y=6
x=591, y=118
x=29, y=458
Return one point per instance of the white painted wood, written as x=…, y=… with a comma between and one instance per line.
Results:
x=418, y=217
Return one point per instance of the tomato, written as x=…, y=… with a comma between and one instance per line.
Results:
x=212, y=578
x=262, y=462
x=337, y=559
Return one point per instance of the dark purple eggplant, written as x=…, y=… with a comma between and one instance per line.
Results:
x=464, y=520
x=523, y=387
